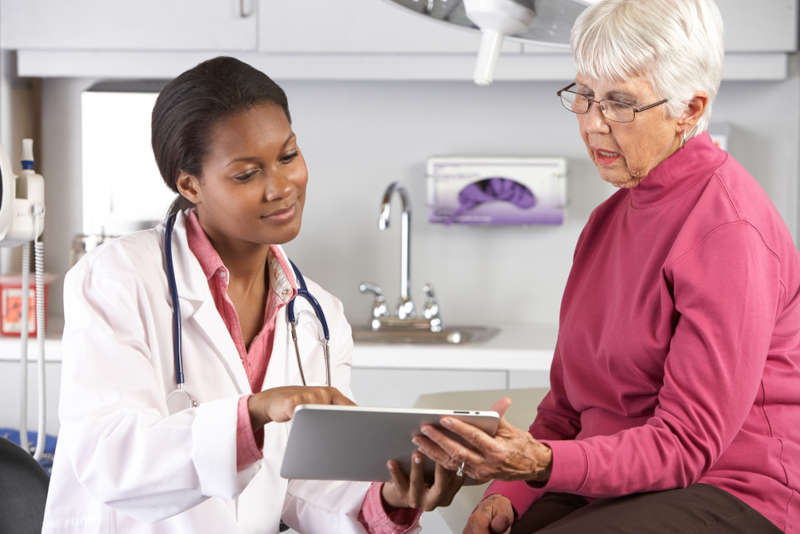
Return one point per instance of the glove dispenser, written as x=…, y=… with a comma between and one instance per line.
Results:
x=496, y=190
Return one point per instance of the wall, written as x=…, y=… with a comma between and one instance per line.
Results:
x=359, y=136
x=61, y=167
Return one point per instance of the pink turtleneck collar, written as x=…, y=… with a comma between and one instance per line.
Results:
x=684, y=169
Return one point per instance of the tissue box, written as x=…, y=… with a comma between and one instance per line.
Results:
x=497, y=190
x=11, y=304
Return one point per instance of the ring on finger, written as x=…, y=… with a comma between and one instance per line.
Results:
x=460, y=472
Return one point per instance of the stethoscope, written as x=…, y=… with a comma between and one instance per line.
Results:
x=179, y=399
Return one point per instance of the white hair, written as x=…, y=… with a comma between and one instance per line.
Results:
x=676, y=44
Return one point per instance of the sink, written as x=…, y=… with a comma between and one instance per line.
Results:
x=452, y=335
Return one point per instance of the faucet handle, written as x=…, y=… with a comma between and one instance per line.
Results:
x=379, y=308
x=431, y=309
x=428, y=290
x=369, y=287
x=431, y=305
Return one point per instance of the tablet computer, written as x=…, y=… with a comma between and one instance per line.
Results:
x=330, y=442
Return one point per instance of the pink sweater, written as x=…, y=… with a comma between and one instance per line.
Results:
x=678, y=353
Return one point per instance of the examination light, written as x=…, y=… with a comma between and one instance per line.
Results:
x=545, y=22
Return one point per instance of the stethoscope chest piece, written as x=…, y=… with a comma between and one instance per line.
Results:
x=179, y=400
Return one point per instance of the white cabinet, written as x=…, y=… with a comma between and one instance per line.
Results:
x=769, y=26
x=217, y=25
x=322, y=40
x=748, y=26
x=758, y=36
x=307, y=26
x=358, y=26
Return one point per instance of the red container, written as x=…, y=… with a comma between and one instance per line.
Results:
x=11, y=304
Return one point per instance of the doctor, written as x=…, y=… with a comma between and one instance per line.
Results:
x=130, y=460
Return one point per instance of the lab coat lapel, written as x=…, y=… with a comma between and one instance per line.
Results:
x=282, y=369
x=199, y=312
x=282, y=356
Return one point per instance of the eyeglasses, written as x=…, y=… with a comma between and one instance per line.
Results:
x=611, y=109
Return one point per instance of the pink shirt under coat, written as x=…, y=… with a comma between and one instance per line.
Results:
x=255, y=359
x=678, y=353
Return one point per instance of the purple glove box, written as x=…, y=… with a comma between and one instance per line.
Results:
x=496, y=190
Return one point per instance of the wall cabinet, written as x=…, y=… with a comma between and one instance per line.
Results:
x=274, y=26
x=759, y=26
x=748, y=26
x=307, y=26
x=372, y=26
x=322, y=39
x=140, y=25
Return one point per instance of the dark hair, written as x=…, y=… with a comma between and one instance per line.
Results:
x=189, y=106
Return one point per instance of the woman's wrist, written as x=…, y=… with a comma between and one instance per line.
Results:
x=387, y=506
x=258, y=418
x=542, y=464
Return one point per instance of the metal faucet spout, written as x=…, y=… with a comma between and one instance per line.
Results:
x=383, y=218
x=386, y=204
x=405, y=308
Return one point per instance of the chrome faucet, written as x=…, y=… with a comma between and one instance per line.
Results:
x=379, y=310
x=405, y=307
x=406, y=314
x=431, y=310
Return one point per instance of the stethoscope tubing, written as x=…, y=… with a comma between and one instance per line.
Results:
x=177, y=351
x=302, y=291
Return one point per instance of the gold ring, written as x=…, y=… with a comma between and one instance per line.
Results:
x=460, y=472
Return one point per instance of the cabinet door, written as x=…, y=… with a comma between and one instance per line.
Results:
x=358, y=26
x=748, y=26
x=140, y=25
x=759, y=26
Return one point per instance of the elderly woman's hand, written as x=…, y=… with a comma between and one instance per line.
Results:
x=511, y=454
x=493, y=515
x=411, y=491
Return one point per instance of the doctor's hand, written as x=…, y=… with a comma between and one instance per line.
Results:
x=493, y=515
x=511, y=454
x=278, y=404
x=411, y=491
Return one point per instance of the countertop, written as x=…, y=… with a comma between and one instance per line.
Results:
x=517, y=347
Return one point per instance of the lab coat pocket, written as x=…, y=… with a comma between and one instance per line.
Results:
x=180, y=399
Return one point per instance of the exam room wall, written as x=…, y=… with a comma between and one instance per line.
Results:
x=357, y=137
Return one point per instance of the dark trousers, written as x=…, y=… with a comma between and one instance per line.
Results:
x=698, y=509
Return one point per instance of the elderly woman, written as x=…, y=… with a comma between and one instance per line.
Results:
x=675, y=385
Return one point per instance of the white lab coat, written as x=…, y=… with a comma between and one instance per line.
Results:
x=123, y=462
